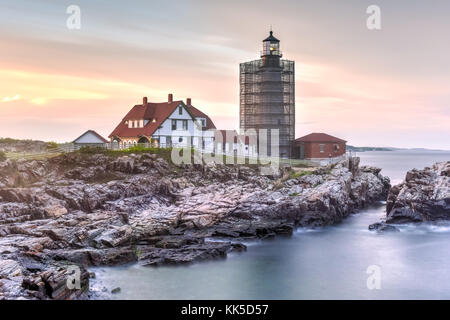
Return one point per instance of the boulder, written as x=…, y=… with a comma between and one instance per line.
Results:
x=423, y=196
x=383, y=227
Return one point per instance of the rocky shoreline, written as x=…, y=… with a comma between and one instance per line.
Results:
x=102, y=210
x=423, y=196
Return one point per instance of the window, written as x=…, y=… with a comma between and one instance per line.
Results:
x=180, y=139
x=203, y=123
x=180, y=110
x=185, y=125
x=322, y=147
x=174, y=124
x=336, y=148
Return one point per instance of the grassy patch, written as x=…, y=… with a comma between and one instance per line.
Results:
x=297, y=163
x=295, y=174
x=164, y=153
x=134, y=149
x=30, y=156
x=2, y=156
x=300, y=174
x=10, y=140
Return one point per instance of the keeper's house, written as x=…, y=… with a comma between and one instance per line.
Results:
x=165, y=124
x=319, y=146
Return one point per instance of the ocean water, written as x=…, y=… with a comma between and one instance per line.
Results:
x=325, y=263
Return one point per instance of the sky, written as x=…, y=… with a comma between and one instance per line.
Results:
x=387, y=87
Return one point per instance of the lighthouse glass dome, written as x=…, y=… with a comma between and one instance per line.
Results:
x=271, y=48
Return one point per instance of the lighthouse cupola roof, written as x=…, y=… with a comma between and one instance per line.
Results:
x=271, y=38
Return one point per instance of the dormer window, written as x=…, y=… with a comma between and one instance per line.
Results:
x=180, y=110
x=136, y=123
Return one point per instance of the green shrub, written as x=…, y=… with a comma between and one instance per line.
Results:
x=51, y=145
x=8, y=140
x=2, y=156
x=91, y=150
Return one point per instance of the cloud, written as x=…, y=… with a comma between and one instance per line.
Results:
x=366, y=87
x=9, y=99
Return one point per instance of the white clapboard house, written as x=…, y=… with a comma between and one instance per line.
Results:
x=165, y=124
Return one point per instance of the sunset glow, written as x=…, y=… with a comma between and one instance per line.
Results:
x=384, y=88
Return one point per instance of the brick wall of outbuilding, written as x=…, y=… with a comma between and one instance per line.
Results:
x=312, y=150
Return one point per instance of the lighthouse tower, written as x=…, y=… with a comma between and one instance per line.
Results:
x=267, y=96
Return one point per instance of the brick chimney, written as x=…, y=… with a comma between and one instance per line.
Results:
x=144, y=101
x=188, y=101
x=170, y=97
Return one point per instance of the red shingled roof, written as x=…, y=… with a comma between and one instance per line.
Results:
x=157, y=111
x=198, y=114
x=319, y=137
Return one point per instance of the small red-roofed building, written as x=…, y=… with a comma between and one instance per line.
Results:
x=319, y=146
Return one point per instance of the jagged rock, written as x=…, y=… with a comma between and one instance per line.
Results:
x=113, y=237
x=95, y=209
x=115, y=290
x=188, y=253
x=9, y=268
x=53, y=284
x=29, y=146
x=423, y=196
x=55, y=211
x=383, y=227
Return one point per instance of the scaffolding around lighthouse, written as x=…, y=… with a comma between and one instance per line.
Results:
x=267, y=95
